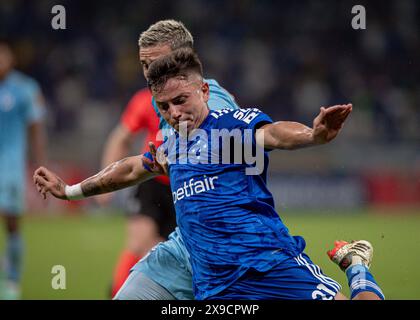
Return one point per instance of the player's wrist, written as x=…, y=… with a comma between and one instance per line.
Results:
x=317, y=138
x=313, y=138
x=74, y=192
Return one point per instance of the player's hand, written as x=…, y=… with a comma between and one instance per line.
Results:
x=159, y=164
x=48, y=182
x=329, y=122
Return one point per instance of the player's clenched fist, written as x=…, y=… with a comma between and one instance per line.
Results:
x=48, y=182
x=159, y=164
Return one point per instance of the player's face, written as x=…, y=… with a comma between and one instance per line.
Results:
x=6, y=60
x=150, y=54
x=183, y=100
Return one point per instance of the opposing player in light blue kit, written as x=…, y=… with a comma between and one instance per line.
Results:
x=21, y=112
x=152, y=214
x=239, y=247
x=165, y=273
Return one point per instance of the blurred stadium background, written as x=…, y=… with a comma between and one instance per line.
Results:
x=288, y=58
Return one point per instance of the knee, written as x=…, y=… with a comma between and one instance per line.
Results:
x=140, y=287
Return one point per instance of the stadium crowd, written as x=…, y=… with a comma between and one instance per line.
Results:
x=285, y=58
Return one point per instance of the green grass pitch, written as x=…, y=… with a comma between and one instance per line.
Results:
x=87, y=246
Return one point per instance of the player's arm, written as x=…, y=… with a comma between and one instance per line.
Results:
x=37, y=142
x=118, y=145
x=116, y=176
x=36, y=132
x=133, y=120
x=293, y=135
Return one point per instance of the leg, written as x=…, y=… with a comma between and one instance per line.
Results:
x=11, y=208
x=151, y=219
x=163, y=274
x=14, y=247
x=340, y=296
x=361, y=296
x=13, y=256
x=142, y=235
x=354, y=259
x=139, y=287
x=366, y=295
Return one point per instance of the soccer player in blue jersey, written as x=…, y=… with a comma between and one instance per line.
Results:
x=165, y=272
x=239, y=247
x=154, y=211
x=21, y=112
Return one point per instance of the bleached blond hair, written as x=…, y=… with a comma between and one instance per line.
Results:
x=171, y=32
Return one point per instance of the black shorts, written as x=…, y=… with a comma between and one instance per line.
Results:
x=154, y=199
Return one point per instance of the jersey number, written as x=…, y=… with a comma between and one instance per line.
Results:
x=323, y=293
x=246, y=115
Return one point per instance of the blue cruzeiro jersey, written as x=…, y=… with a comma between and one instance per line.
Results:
x=219, y=99
x=226, y=217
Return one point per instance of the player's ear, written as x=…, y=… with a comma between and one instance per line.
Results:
x=206, y=91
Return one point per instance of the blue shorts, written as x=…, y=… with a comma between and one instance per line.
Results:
x=296, y=278
x=168, y=265
x=11, y=197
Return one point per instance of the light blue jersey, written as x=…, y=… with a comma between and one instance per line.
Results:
x=20, y=105
x=168, y=263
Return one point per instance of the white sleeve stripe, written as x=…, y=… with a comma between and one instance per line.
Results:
x=363, y=284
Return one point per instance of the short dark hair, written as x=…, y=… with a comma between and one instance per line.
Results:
x=180, y=62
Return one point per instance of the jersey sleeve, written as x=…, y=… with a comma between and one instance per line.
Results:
x=246, y=120
x=149, y=156
x=137, y=111
x=162, y=122
x=220, y=98
x=251, y=118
